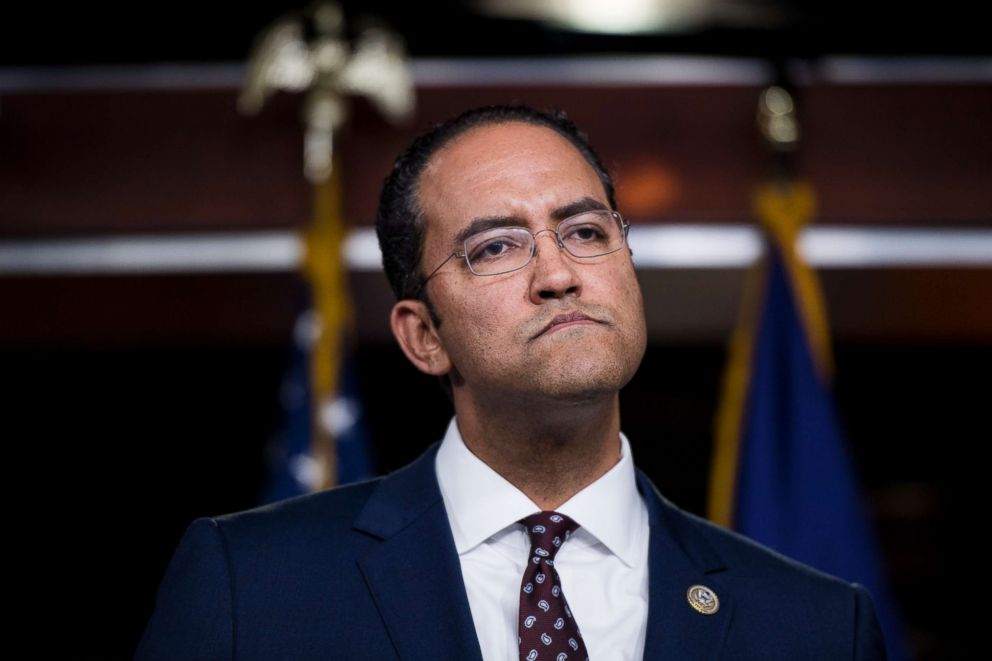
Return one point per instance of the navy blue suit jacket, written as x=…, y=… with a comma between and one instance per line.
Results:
x=370, y=571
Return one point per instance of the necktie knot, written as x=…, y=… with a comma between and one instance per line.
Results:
x=548, y=531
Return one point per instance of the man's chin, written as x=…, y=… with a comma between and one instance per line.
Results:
x=577, y=383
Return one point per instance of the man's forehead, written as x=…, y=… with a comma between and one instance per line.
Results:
x=479, y=146
x=502, y=169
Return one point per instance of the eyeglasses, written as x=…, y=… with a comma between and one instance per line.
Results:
x=504, y=249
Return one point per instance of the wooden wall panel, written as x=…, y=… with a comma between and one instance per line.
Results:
x=130, y=161
x=167, y=160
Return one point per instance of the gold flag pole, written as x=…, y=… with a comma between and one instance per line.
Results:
x=783, y=205
x=328, y=69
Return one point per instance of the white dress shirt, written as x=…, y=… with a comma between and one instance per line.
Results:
x=603, y=567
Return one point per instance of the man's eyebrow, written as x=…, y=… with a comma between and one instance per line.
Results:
x=486, y=223
x=577, y=207
x=560, y=213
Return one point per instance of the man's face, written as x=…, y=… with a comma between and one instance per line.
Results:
x=494, y=328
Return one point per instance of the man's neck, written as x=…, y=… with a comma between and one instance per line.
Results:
x=549, y=454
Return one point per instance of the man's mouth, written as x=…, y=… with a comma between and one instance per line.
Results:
x=565, y=320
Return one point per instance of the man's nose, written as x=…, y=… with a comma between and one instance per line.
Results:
x=554, y=275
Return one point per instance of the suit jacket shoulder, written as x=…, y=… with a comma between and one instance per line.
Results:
x=770, y=606
x=370, y=571
x=326, y=575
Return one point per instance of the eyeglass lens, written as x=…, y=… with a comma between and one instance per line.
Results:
x=503, y=249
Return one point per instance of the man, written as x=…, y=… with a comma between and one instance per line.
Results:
x=527, y=533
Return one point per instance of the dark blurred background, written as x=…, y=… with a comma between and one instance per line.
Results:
x=134, y=400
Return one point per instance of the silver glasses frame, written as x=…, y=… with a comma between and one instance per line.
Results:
x=463, y=253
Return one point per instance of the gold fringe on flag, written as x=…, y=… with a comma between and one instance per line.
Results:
x=782, y=210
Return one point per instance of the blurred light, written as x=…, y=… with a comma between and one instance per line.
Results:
x=306, y=470
x=228, y=252
x=639, y=16
x=649, y=188
x=878, y=246
x=361, y=250
x=615, y=16
x=654, y=246
x=339, y=415
x=680, y=246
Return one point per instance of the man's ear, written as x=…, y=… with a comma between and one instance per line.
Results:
x=418, y=338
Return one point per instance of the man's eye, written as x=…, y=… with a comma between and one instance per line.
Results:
x=493, y=249
x=585, y=233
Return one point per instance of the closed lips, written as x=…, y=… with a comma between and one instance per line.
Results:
x=566, y=319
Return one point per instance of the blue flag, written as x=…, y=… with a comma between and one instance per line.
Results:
x=796, y=486
x=293, y=470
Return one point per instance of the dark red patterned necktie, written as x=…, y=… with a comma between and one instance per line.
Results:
x=546, y=627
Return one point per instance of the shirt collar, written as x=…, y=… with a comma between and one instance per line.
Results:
x=480, y=502
x=611, y=508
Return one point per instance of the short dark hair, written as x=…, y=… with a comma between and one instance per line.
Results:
x=399, y=221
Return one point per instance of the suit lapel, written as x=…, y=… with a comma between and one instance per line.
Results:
x=415, y=578
x=414, y=574
x=679, y=558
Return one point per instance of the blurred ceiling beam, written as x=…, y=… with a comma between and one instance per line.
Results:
x=612, y=70
x=669, y=246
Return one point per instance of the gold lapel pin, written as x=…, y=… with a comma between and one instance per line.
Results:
x=703, y=599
